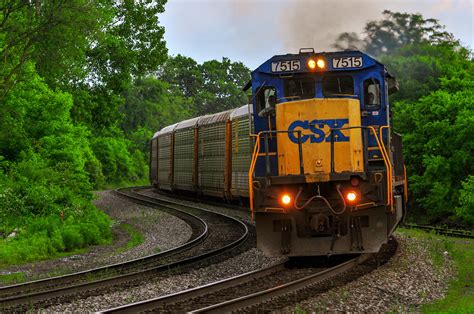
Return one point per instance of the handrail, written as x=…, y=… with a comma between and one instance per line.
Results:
x=380, y=145
x=388, y=166
x=390, y=170
x=256, y=150
x=386, y=158
x=256, y=154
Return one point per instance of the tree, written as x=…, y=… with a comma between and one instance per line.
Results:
x=212, y=87
x=394, y=31
x=65, y=66
x=53, y=34
x=149, y=106
x=223, y=83
x=131, y=44
x=419, y=67
x=438, y=136
x=183, y=74
x=433, y=110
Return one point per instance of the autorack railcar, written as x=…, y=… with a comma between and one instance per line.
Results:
x=314, y=154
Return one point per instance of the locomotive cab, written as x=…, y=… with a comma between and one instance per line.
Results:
x=326, y=175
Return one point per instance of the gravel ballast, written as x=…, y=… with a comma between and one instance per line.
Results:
x=408, y=280
x=250, y=260
x=160, y=232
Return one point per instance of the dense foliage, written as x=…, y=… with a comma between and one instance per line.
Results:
x=83, y=87
x=395, y=30
x=438, y=134
x=433, y=111
x=45, y=160
x=211, y=87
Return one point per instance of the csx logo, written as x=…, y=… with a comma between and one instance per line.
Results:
x=316, y=127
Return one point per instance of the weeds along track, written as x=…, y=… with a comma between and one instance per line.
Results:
x=458, y=233
x=212, y=235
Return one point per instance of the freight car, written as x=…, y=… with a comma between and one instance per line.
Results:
x=313, y=153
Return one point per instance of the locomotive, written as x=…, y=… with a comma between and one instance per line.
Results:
x=313, y=153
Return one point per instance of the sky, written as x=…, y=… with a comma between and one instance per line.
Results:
x=251, y=31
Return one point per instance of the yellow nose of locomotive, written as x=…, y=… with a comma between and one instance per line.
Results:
x=314, y=118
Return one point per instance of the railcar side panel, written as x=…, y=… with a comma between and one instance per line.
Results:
x=241, y=156
x=212, y=153
x=154, y=161
x=164, y=161
x=212, y=158
x=184, y=159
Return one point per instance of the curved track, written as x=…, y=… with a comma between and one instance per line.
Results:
x=267, y=289
x=207, y=234
x=242, y=291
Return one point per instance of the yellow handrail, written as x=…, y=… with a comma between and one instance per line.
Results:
x=390, y=169
x=256, y=150
x=389, y=201
x=380, y=144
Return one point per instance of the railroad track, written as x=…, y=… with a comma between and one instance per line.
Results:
x=243, y=291
x=459, y=233
x=267, y=289
x=208, y=240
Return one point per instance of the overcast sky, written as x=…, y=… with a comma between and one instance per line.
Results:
x=252, y=31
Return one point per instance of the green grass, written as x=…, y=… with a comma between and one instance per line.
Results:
x=135, y=237
x=460, y=296
x=42, y=238
x=13, y=278
x=123, y=184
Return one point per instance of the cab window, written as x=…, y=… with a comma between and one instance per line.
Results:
x=299, y=88
x=266, y=98
x=372, y=96
x=338, y=85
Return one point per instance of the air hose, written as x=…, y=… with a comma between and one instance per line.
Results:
x=338, y=187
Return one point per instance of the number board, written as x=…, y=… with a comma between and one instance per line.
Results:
x=347, y=62
x=286, y=66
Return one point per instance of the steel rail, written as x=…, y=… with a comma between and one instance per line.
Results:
x=152, y=304
x=112, y=268
x=31, y=298
x=241, y=302
x=278, y=291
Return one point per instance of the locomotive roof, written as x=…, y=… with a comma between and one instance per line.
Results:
x=303, y=57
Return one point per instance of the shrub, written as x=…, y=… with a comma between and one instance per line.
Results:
x=42, y=237
x=72, y=237
x=466, y=200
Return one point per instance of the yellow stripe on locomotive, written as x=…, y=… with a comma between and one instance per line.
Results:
x=314, y=118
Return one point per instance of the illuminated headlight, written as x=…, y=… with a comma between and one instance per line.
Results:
x=286, y=199
x=351, y=196
x=321, y=63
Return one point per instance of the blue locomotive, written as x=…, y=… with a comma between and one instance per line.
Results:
x=313, y=153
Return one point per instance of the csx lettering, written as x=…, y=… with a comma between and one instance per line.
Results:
x=316, y=127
